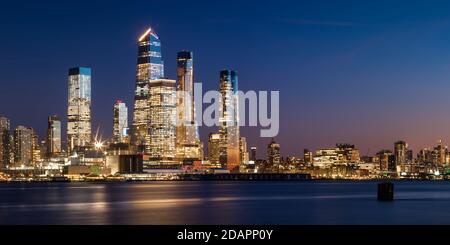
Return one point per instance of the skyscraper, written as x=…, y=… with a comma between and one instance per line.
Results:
x=53, y=141
x=440, y=153
x=188, y=143
x=243, y=150
x=35, y=148
x=162, y=128
x=229, y=121
x=23, y=146
x=5, y=146
x=213, y=148
x=273, y=154
x=150, y=66
x=79, y=133
x=400, y=149
x=120, y=123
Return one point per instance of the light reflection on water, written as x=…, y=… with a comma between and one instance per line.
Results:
x=223, y=203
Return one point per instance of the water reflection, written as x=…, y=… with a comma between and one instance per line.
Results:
x=222, y=203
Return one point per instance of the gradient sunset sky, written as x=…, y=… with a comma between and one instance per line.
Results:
x=361, y=72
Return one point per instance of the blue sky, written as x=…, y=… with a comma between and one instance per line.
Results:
x=362, y=72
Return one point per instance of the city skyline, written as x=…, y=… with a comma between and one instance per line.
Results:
x=373, y=124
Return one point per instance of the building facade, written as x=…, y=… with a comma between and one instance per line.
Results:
x=53, y=141
x=23, y=146
x=162, y=130
x=400, y=153
x=120, y=122
x=243, y=151
x=79, y=124
x=5, y=146
x=188, y=142
x=150, y=66
x=229, y=120
x=273, y=154
x=214, y=148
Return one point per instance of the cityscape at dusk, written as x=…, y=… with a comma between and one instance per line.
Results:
x=213, y=112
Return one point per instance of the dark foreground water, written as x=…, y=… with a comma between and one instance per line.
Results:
x=310, y=202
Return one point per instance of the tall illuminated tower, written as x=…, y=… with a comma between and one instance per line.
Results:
x=150, y=66
x=400, y=149
x=23, y=146
x=188, y=143
x=5, y=146
x=120, y=123
x=214, y=148
x=229, y=121
x=162, y=128
x=79, y=133
x=273, y=154
x=53, y=141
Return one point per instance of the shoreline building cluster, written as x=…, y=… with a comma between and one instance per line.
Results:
x=163, y=139
x=163, y=136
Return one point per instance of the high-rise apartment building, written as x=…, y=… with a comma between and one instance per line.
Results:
x=188, y=142
x=273, y=154
x=400, y=150
x=79, y=125
x=53, y=141
x=214, y=148
x=386, y=161
x=243, y=151
x=229, y=120
x=120, y=122
x=23, y=146
x=5, y=146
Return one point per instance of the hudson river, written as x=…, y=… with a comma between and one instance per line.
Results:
x=308, y=202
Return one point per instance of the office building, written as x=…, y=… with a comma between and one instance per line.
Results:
x=162, y=130
x=243, y=151
x=5, y=146
x=53, y=141
x=188, y=142
x=150, y=66
x=23, y=146
x=386, y=161
x=273, y=154
x=36, y=149
x=400, y=151
x=229, y=121
x=120, y=122
x=214, y=148
x=79, y=132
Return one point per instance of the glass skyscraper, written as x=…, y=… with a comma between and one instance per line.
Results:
x=53, y=141
x=229, y=121
x=188, y=142
x=120, y=123
x=150, y=66
x=162, y=130
x=79, y=125
x=5, y=146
